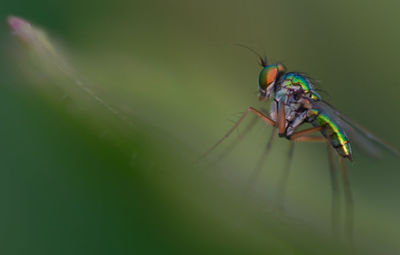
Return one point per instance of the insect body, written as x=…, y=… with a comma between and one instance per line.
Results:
x=295, y=102
x=295, y=94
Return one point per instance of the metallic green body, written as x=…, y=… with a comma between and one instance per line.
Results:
x=293, y=89
x=331, y=131
x=302, y=104
x=291, y=80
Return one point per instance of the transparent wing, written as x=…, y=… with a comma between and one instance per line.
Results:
x=358, y=135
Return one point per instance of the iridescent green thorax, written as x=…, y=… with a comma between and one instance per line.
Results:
x=332, y=131
x=293, y=80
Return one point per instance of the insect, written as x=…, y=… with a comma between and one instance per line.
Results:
x=294, y=102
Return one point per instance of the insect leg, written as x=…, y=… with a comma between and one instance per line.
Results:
x=237, y=140
x=318, y=139
x=296, y=136
x=250, y=109
x=349, y=223
x=335, y=209
x=280, y=197
x=260, y=163
x=301, y=136
x=281, y=118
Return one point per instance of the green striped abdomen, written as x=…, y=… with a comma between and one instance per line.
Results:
x=333, y=132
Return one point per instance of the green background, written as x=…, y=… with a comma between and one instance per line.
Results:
x=75, y=179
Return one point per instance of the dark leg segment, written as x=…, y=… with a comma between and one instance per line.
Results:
x=280, y=197
x=261, y=161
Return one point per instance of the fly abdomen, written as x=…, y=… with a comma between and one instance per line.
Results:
x=332, y=131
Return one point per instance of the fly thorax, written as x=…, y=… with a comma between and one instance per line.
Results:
x=281, y=94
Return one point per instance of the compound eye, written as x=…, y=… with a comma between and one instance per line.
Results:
x=271, y=75
x=267, y=76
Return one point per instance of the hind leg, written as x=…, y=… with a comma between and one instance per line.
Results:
x=349, y=223
x=335, y=208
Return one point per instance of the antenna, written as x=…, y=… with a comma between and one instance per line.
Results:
x=263, y=60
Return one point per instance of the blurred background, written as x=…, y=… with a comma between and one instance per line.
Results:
x=79, y=179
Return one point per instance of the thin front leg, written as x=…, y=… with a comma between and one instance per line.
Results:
x=335, y=209
x=250, y=109
x=349, y=224
x=237, y=140
x=261, y=161
x=280, y=197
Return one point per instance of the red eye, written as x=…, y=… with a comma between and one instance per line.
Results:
x=268, y=76
x=271, y=75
